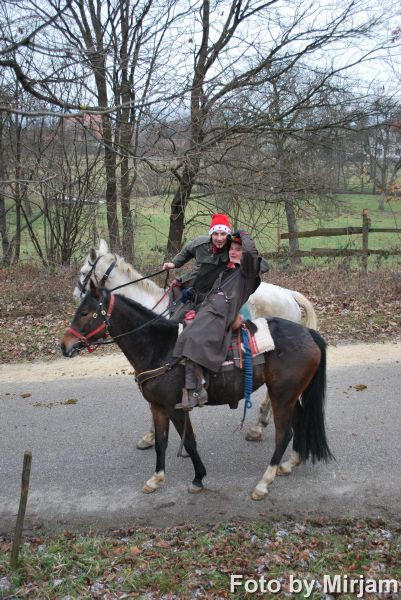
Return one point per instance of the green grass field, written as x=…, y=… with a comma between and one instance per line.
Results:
x=152, y=225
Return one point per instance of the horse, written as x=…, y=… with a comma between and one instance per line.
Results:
x=295, y=371
x=268, y=300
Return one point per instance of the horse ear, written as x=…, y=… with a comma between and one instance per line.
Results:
x=92, y=254
x=94, y=290
x=103, y=247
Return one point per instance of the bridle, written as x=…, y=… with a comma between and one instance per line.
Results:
x=84, y=339
x=92, y=271
x=91, y=346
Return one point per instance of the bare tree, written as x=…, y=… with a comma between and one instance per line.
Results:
x=247, y=45
x=383, y=147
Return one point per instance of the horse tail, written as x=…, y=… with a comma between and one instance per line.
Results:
x=311, y=431
x=311, y=318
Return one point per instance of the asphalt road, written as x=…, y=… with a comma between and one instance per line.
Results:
x=86, y=470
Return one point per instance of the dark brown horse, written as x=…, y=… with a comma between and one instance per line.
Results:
x=295, y=371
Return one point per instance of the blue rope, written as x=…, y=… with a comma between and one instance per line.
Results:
x=248, y=371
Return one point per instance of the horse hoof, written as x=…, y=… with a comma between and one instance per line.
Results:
x=142, y=445
x=194, y=489
x=148, y=489
x=256, y=495
x=148, y=441
x=284, y=470
x=253, y=435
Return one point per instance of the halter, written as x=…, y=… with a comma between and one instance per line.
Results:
x=82, y=286
x=103, y=327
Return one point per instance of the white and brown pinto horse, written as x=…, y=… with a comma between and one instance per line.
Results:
x=110, y=270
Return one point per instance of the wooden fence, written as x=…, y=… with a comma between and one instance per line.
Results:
x=362, y=252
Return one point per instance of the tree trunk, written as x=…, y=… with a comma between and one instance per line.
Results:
x=292, y=229
x=5, y=242
x=111, y=185
x=177, y=209
x=17, y=237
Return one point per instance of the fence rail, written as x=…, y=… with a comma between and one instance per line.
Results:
x=363, y=252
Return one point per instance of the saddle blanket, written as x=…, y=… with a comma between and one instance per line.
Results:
x=262, y=341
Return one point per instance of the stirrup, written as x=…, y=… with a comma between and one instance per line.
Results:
x=192, y=398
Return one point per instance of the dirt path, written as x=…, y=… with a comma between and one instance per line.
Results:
x=96, y=365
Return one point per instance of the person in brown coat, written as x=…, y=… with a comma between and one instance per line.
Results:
x=206, y=340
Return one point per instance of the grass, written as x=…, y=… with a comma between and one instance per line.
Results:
x=152, y=225
x=190, y=561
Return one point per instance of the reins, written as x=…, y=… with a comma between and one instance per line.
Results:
x=118, y=287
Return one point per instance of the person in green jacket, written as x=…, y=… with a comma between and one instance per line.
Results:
x=210, y=254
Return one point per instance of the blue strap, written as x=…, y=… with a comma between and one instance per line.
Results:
x=248, y=371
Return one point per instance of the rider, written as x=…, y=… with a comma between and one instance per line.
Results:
x=211, y=257
x=205, y=341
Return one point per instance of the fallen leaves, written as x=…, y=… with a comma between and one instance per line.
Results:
x=35, y=308
x=360, y=387
x=197, y=561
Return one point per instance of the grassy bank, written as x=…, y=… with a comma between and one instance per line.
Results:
x=188, y=562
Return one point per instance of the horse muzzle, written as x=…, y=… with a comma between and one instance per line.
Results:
x=71, y=349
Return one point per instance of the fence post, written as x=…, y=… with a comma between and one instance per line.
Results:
x=26, y=471
x=278, y=237
x=365, y=239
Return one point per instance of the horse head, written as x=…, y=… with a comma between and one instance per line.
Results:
x=90, y=322
x=98, y=267
x=109, y=270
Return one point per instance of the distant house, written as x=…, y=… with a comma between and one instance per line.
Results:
x=89, y=122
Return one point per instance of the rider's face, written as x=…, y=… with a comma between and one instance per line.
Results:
x=235, y=252
x=219, y=238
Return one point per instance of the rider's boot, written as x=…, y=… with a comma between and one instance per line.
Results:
x=194, y=393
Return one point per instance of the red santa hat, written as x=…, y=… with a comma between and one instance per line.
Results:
x=220, y=222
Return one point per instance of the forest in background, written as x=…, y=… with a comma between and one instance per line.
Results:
x=112, y=111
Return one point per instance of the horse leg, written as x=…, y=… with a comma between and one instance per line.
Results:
x=161, y=422
x=178, y=418
x=148, y=440
x=283, y=437
x=254, y=433
x=295, y=458
x=283, y=403
x=288, y=416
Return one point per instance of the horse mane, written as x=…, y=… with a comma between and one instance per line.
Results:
x=127, y=269
x=160, y=322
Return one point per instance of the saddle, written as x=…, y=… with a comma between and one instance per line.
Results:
x=259, y=342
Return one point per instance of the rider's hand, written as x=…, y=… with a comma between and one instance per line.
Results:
x=237, y=322
x=168, y=265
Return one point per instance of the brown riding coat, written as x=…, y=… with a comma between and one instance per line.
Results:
x=207, y=338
